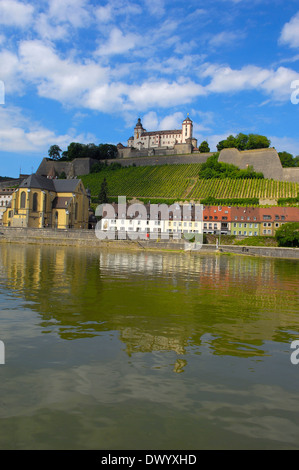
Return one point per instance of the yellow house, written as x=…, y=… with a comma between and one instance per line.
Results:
x=43, y=202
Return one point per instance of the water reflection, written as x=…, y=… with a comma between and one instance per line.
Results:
x=157, y=301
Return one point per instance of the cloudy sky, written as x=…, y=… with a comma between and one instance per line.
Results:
x=85, y=70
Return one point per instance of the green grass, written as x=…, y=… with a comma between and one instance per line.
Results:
x=181, y=182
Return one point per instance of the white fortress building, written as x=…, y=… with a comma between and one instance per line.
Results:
x=168, y=142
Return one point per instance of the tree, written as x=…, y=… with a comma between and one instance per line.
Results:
x=204, y=147
x=256, y=141
x=287, y=159
x=103, y=194
x=288, y=234
x=54, y=152
x=244, y=142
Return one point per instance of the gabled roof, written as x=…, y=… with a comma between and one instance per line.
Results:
x=38, y=182
x=56, y=185
x=65, y=186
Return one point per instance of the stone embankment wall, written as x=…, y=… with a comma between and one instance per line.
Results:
x=87, y=238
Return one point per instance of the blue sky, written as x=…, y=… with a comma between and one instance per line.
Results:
x=85, y=70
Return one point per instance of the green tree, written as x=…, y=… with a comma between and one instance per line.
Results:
x=244, y=142
x=256, y=141
x=287, y=159
x=288, y=234
x=54, y=152
x=204, y=147
x=103, y=194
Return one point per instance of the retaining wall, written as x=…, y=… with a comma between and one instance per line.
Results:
x=88, y=238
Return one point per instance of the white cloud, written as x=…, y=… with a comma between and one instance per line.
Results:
x=46, y=30
x=155, y=7
x=14, y=13
x=274, y=82
x=19, y=134
x=173, y=121
x=225, y=38
x=60, y=79
x=225, y=79
x=10, y=72
x=108, y=13
x=162, y=93
x=290, y=32
x=118, y=43
x=150, y=121
x=104, y=14
x=75, y=12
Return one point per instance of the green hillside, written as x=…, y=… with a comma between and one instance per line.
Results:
x=181, y=182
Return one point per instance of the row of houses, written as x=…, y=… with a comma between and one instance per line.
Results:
x=194, y=218
x=40, y=202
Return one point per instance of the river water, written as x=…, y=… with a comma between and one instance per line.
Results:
x=138, y=350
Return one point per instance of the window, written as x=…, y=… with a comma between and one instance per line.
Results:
x=23, y=200
x=34, y=204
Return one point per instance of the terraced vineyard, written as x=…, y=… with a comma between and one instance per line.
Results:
x=181, y=182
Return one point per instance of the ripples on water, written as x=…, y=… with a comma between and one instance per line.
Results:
x=131, y=350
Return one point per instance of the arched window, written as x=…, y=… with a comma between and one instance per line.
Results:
x=23, y=200
x=34, y=204
x=76, y=211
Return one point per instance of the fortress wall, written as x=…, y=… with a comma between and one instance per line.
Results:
x=163, y=159
x=265, y=161
x=79, y=166
x=291, y=174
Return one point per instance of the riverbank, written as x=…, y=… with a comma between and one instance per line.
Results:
x=87, y=238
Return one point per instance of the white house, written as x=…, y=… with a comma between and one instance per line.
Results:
x=121, y=221
x=5, y=199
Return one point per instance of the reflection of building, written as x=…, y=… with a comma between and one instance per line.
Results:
x=43, y=202
x=5, y=198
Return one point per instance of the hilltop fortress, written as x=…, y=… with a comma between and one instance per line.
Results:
x=171, y=142
x=173, y=147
